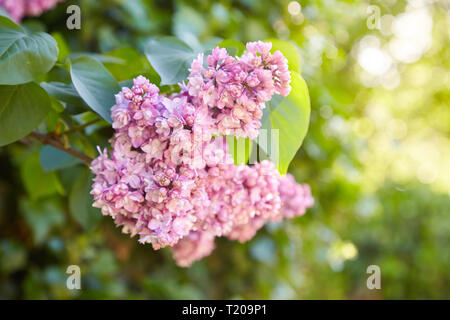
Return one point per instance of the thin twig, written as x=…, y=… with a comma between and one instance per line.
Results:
x=46, y=139
x=78, y=128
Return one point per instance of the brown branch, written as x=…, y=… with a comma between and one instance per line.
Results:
x=48, y=140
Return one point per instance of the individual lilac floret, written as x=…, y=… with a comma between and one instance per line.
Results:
x=32, y=8
x=233, y=91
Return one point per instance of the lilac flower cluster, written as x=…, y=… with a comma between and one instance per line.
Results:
x=170, y=179
x=233, y=91
x=20, y=8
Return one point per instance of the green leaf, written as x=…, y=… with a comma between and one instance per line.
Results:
x=289, y=51
x=189, y=24
x=22, y=109
x=53, y=159
x=234, y=47
x=5, y=13
x=41, y=216
x=170, y=57
x=68, y=176
x=33, y=25
x=132, y=64
x=63, y=47
x=209, y=44
x=80, y=202
x=13, y=255
x=240, y=149
x=95, y=85
x=56, y=105
x=126, y=83
x=52, y=119
x=97, y=56
x=24, y=56
x=134, y=14
x=63, y=92
x=290, y=116
x=38, y=183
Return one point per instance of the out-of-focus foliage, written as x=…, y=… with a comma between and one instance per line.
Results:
x=376, y=156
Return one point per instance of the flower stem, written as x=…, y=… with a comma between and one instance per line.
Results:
x=49, y=140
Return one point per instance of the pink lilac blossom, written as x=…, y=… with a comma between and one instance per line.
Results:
x=232, y=91
x=295, y=198
x=20, y=8
x=193, y=247
x=242, y=199
x=169, y=177
x=237, y=194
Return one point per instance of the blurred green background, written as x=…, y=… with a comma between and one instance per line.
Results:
x=376, y=156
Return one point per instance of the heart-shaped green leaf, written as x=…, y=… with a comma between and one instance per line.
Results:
x=22, y=109
x=24, y=56
x=63, y=92
x=132, y=65
x=95, y=85
x=170, y=57
x=285, y=121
